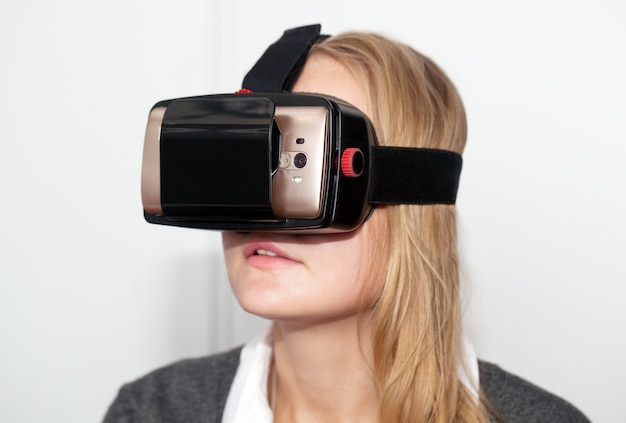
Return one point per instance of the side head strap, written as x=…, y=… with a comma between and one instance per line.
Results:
x=399, y=175
x=414, y=176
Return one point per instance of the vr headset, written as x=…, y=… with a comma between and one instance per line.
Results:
x=264, y=159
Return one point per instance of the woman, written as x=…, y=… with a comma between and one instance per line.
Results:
x=366, y=324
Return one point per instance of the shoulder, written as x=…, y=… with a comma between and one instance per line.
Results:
x=188, y=390
x=518, y=400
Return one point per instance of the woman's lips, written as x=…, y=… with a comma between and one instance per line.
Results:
x=266, y=255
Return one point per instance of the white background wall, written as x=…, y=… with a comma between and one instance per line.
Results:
x=91, y=296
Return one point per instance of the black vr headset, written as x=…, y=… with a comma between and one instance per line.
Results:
x=264, y=159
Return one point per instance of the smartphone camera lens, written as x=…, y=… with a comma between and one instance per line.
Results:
x=299, y=160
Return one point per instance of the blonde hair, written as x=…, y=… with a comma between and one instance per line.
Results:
x=417, y=340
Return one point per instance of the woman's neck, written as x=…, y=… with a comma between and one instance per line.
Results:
x=324, y=372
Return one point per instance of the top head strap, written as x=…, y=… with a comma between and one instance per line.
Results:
x=277, y=70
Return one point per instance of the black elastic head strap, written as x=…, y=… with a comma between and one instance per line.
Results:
x=414, y=176
x=277, y=70
x=398, y=175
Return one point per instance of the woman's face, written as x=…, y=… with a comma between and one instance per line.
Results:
x=308, y=278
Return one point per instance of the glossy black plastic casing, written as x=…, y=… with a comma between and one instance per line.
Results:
x=212, y=159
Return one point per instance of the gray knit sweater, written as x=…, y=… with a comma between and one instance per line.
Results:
x=195, y=390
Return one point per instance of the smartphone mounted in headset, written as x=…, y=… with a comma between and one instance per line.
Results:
x=264, y=159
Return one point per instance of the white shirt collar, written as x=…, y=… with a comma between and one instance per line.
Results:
x=247, y=399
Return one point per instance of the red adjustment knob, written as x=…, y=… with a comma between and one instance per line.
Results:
x=352, y=162
x=244, y=91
